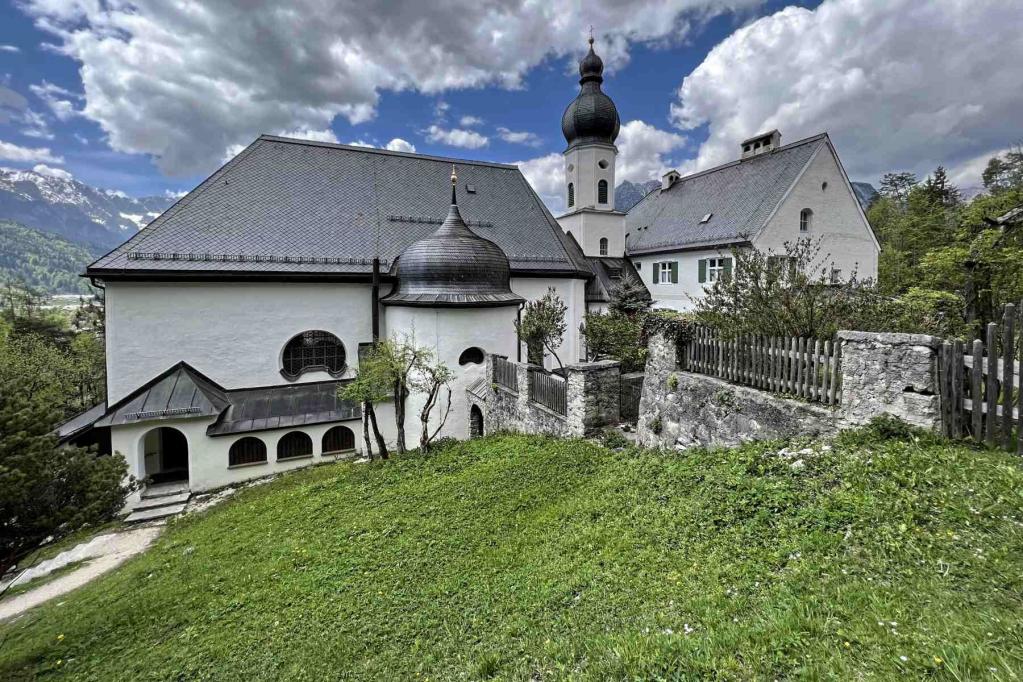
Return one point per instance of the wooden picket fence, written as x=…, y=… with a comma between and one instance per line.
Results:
x=548, y=389
x=979, y=385
x=505, y=373
x=803, y=367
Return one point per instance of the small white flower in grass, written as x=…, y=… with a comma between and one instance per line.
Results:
x=668, y=631
x=903, y=659
x=688, y=630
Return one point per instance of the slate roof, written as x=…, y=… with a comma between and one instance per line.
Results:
x=608, y=272
x=302, y=208
x=740, y=196
x=180, y=392
x=80, y=422
x=281, y=407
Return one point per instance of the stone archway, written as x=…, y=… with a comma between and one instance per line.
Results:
x=165, y=455
x=475, y=422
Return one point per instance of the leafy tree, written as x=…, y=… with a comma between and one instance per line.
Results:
x=429, y=378
x=1004, y=173
x=370, y=386
x=788, y=294
x=939, y=189
x=896, y=186
x=615, y=335
x=543, y=326
x=629, y=296
x=48, y=491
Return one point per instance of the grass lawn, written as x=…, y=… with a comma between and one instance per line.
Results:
x=521, y=557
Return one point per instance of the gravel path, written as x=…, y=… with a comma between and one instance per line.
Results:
x=103, y=552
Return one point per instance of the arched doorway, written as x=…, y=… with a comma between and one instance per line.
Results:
x=475, y=422
x=165, y=455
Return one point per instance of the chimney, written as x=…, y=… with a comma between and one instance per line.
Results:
x=669, y=179
x=761, y=144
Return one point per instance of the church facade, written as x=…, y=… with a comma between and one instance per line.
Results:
x=234, y=317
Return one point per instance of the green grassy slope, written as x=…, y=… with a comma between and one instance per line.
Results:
x=42, y=260
x=526, y=558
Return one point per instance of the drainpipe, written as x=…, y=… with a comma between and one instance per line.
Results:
x=518, y=333
x=376, y=300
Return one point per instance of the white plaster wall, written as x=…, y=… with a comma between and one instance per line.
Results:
x=676, y=296
x=208, y=456
x=588, y=227
x=449, y=331
x=232, y=332
x=573, y=293
x=586, y=173
x=846, y=238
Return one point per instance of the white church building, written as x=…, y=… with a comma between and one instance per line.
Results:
x=233, y=318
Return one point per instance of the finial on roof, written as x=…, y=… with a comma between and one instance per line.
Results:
x=454, y=181
x=591, y=34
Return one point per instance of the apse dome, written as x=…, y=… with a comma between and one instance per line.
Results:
x=453, y=267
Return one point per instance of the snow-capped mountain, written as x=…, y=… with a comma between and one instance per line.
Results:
x=95, y=218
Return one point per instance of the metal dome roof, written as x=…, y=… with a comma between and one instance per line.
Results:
x=591, y=116
x=453, y=267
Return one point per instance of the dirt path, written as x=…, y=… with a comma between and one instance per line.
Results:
x=103, y=553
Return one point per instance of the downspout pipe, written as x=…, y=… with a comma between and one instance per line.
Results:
x=376, y=300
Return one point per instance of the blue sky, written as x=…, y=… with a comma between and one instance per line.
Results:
x=153, y=98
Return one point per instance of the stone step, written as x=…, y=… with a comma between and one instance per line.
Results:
x=161, y=501
x=154, y=514
x=164, y=489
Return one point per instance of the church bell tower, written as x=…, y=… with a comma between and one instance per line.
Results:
x=590, y=125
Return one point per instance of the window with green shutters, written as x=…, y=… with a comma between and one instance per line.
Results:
x=712, y=269
x=666, y=272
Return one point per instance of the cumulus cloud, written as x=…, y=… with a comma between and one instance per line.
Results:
x=325, y=135
x=400, y=145
x=13, y=152
x=184, y=81
x=456, y=137
x=899, y=84
x=547, y=176
x=470, y=121
x=519, y=137
x=51, y=172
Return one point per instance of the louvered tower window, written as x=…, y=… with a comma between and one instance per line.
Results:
x=571, y=195
x=602, y=192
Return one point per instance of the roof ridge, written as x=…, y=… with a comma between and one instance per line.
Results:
x=734, y=162
x=384, y=152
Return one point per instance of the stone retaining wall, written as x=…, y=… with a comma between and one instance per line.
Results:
x=880, y=374
x=592, y=394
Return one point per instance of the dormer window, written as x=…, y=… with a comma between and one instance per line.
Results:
x=706, y=218
x=805, y=220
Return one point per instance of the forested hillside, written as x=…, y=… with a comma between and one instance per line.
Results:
x=42, y=261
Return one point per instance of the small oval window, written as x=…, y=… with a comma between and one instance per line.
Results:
x=602, y=163
x=824, y=185
x=471, y=356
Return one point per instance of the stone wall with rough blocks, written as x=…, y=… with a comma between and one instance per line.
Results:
x=592, y=397
x=881, y=373
x=893, y=374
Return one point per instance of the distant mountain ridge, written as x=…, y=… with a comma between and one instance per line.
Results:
x=628, y=194
x=865, y=194
x=97, y=219
x=41, y=260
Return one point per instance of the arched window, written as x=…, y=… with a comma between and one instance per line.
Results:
x=603, y=246
x=294, y=444
x=248, y=450
x=471, y=355
x=571, y=195
x=337, y=440
x=602, y=192
x=313, y=350
x=805, y=220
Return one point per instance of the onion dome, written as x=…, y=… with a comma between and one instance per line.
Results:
x=453, y=267
x=592, y=116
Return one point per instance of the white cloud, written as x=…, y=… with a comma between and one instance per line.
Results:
x=35, y=125
x=643, y=151
x=470, y=121
x=400, y=145
x=899, y=84
x=547, y=176
x=519, y=137
x=9, y=48
x=184, y=81
x=13, y=152
x=325, y=135
x=456, y=137
x=175, y=194
x=363, y=143
x=58, y=99
x=48, y=171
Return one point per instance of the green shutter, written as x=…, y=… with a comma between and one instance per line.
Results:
x=703, y=270
x=728, y=267
x=674, y=272
x=656, y=276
